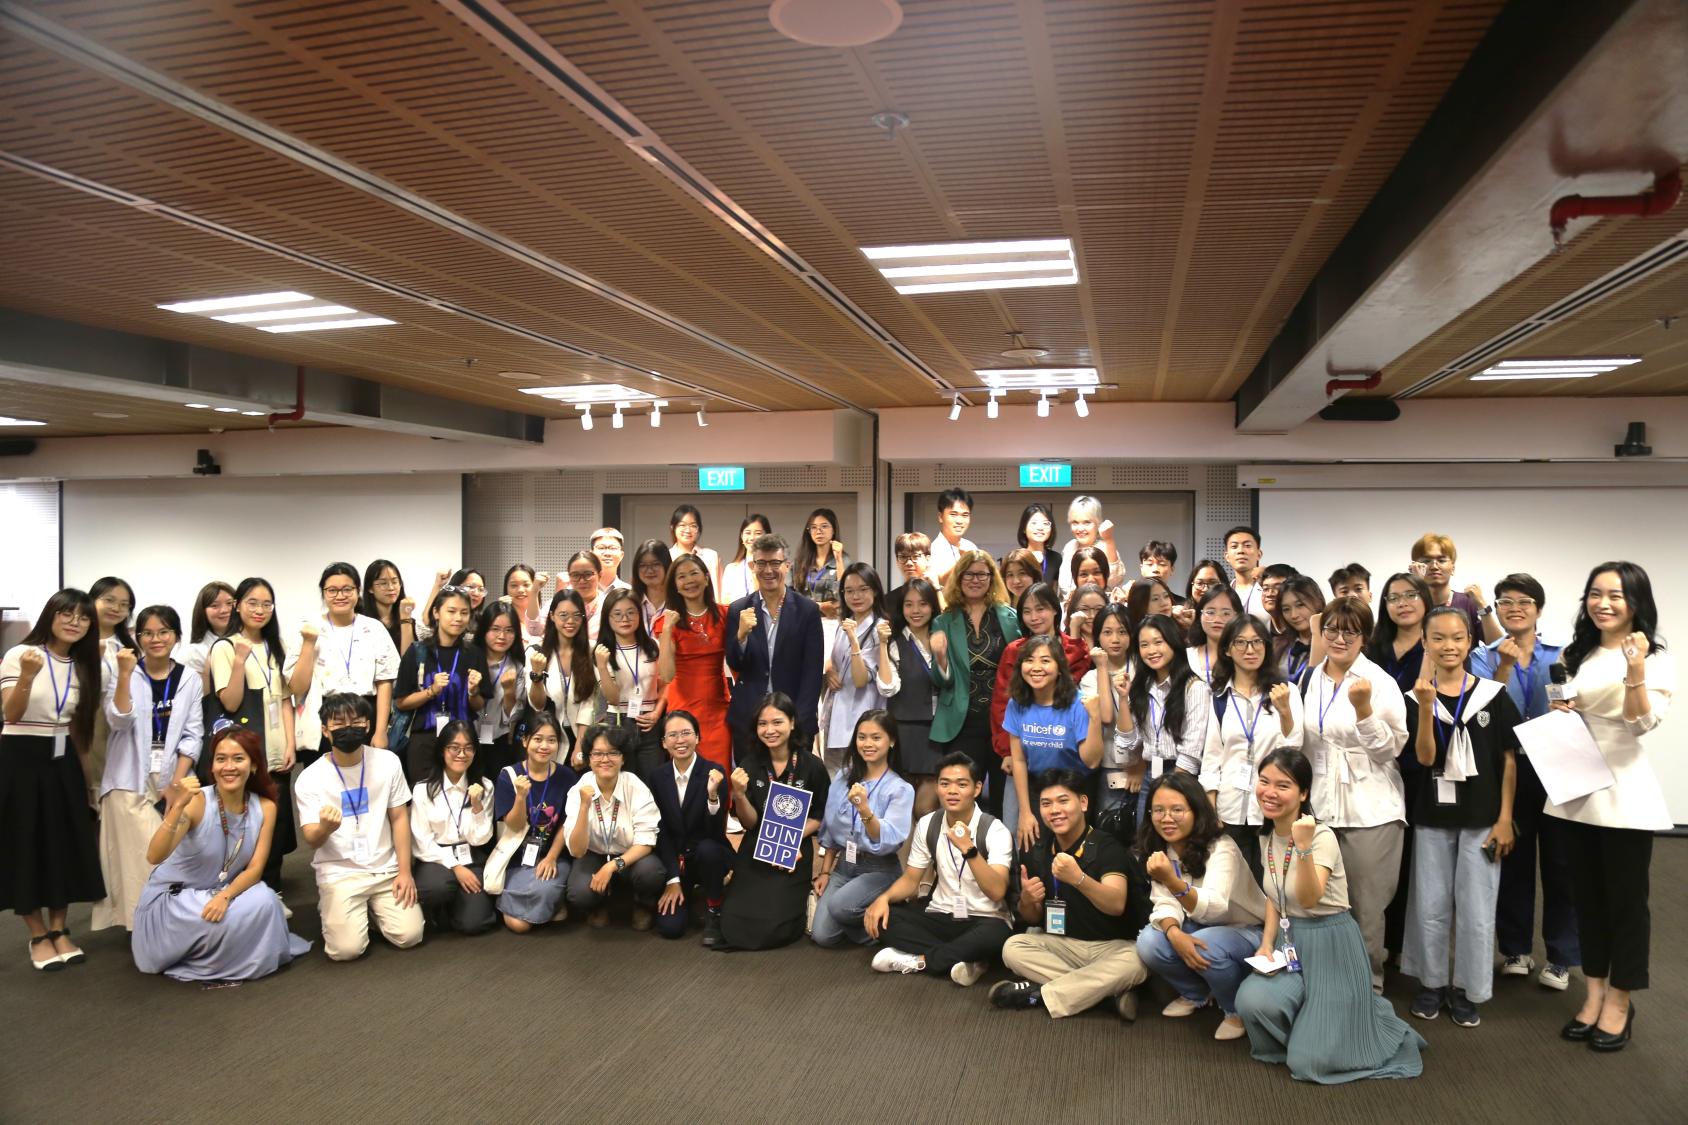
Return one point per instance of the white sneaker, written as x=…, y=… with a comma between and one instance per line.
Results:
x=1181, y=1007
x=1556, y=977
x=1518, y=965
x=890, y=960
x=967, y=973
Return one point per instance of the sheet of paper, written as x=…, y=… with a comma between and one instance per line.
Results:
x=1267, y=965
x=1565, y=756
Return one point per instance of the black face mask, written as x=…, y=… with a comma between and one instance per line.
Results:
x=348, y=739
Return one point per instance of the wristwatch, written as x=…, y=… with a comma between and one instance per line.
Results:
x=1487, y=611
x=620, y=864
x=537, y=677
x=970, y=853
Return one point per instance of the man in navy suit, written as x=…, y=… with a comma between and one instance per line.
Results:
x=775, y=645
x=692, y=838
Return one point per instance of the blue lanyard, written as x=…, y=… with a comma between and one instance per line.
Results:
x=1528, y=678
x=70, y=677
x=1326, y=704
x=1207, y=664
x=1157, y=729
x=1459, y=705
x=161, y=726
x=265, y=667
x=1295, y=669
x=1250, y=724
x=452, y=696
x=363, y=761
x=540, y=803
x=349, y=645
x=457, y=821
x=634, y=649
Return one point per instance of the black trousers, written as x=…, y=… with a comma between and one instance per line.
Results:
x=1515, y=909
x=1609, y=882
x=944, y=940
x=447, y=906
x=705, y=866
x=646, y=877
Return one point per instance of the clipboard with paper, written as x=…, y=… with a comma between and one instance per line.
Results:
x=1565, y=756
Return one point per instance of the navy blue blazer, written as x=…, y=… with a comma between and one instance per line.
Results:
x=793, y=668
x=685, y=818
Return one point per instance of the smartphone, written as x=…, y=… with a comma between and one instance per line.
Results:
x=1490, y=850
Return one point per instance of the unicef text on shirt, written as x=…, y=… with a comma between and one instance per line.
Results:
x=1043, y=728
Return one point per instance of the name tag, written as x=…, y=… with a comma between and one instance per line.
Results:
x=360, y=849
x=958, y=909
x=850, y=851
x=489, y=722
x=1321, y=761
x=460, y=854
x=1155, y=766
x=1447, y=792
x=273, y=713
x=155, y=759
x=58, y=743
x=530, y=855
x=635, y=703
x=1055, y=917
x=440, y=720
x=1240, y=776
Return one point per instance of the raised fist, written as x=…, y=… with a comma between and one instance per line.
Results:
x=746, y=622
x=1302, y=831
x=523, y=784
x=1280, y=698
x=1359, y=693
x=30, y=661
x=741, y=780
x=407, y=607
x=126, y=660
x=442, y=680
x=329, y=817
x=883, y=632
x=308, y=632
x=940, y=644
x=474, y=680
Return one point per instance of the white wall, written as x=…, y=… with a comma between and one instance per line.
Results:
x=167, y=538
x=29, y=566
x=1555, y=535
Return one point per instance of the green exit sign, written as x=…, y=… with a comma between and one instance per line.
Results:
x=1042, y=474
x=720, y=478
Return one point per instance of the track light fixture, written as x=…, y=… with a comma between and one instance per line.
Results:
x=1042, y=405
x=585, y=416
x=1080, y=406
x=702, y=418
x=616, y=420
x=991, y=406
x=656, y=413
x=955, y=408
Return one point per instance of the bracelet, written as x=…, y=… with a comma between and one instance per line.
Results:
x=1299, y=854
x=1639, y=684
x=1189, y=888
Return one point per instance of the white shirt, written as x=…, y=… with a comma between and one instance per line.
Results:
x=1231, y=755
x=442, y=828
x=1226, y=893
x=1113, y=756
x=1200, y=664
x=43, y=715
x=1251, y=597
x=944, y=556
x=324, y=783
x=630, y=817
x=559, y=693
x=954, y=880
x=1151, y=739
x=635, y=676
x=354, y=658
x=737, y=581
x=1356, y=783
x=1635, y=799
x=895, y=684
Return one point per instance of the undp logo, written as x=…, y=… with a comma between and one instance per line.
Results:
x=787, y=807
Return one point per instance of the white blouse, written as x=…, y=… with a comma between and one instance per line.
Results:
x=1226, y=893
x=1635, y=799
x=628, y=818
x=1233, y=751
x=1356, y=781
x=1151, y=739
x=444, y=827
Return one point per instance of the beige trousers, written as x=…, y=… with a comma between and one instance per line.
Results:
x=1076, y=975
x=346, y=902
x=127, y=824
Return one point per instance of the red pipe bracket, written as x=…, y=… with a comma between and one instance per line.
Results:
x=1667, y=189
x=297, y=414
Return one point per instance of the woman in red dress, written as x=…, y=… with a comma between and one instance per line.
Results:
x=692, y=645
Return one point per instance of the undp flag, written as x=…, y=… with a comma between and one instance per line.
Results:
x=779, y=840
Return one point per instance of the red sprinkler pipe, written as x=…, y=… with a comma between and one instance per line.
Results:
x=1667, y=189
x=1353, y=383
x=297, y=414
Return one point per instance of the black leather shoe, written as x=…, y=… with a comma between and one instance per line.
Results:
x=1576, y=1031
x=1605, y=1041
x=712, y=929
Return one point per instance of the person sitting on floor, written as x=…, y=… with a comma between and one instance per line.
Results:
x=450, y=827
x=960, y=929
x=691, y=840
x=353, y=812
x=612, y=830
x=1208, y=910
x=869, y=810
x=1073, y=885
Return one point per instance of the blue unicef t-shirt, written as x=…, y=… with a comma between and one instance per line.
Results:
x=1049, y=735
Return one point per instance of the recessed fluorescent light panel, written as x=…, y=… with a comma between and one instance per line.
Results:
x=1038, y=378
x=286, y=311
x=589, y=393
x=7, y=420
x=956, y=267
x=1550, y=367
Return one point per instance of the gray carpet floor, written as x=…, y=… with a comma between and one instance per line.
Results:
x=612, y=1026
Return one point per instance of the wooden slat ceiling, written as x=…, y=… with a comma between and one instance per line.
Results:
x=1649, y=319
x=1204, y=156
x=72, y=413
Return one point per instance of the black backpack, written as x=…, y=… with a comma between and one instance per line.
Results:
x=935, y=829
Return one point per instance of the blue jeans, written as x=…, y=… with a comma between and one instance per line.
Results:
x=1227, y=947
x=849, y=893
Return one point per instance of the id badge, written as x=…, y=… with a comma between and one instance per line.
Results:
x=849, y=851
x=273, y=713
x=1447, y=792
x=958, y=909
x=635, y=705
x=1118, y=780
x=1155, y=766
x=1321, y=763
x=1292, y=961
x=155, y=760
x=58, y=743
x=360, y=849
x=1055, y=917
x=460, y=854
x=440, y=720
x=489, y=720
x=1241, y=776
x=530, y=855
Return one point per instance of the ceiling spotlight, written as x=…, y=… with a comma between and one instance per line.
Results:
x=1080, y=406
x=955, y=409
x=702, y=420
x=616, y=421
x=991, y=407
x=585, y=416
x=1042, y=405
x=656, y=413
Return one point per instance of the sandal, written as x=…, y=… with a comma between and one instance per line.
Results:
x=52, y=964
x=75, y=956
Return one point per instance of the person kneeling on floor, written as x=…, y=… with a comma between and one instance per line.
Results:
x=1073, y=885
x=353, y=812
x=960, y=928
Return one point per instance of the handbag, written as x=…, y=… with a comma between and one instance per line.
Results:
x=399, y=722
x=498, y=863
x=250, y=713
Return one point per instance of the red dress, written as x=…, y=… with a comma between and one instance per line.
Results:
x=700, y=681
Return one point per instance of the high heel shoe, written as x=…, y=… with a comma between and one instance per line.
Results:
x=1576, y=1031
x=1606, y=1041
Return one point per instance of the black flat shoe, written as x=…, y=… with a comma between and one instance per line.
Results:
x=1576, y=1031
x=1606, y=1041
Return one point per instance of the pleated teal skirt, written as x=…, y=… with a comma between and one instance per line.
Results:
x=1324, y=1021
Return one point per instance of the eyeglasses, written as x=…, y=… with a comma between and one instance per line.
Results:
x=1271, y=587
x=910, y=556
x=75, y=617
x=1514, y=603
x=458, y=751
x=684, y=733
x=579, y=576
x=264, y=607
x=386, y=584
x=624, y=618
x=976, y=576
x=1165, y=813
x=1211, y=614
x=110, y=602
x=1335, y=634
x=465, y=590
x=499, y=630
x=686, y=525
x=605, y=756
x=1437, y=563
x=1248, y=644
x=565, y=618
x=339, y=591
x=156, y=634
x=767, y=564
x=1401, y=599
